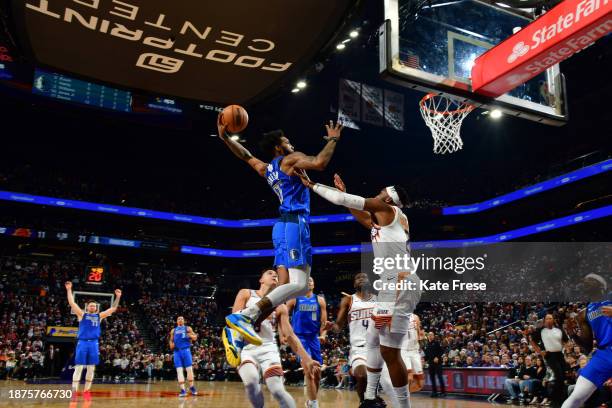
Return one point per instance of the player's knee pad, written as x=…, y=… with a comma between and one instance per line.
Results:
x=189, y=373
x=179, y=375
x=78, y=371
x=89, y=376
x=277, y=389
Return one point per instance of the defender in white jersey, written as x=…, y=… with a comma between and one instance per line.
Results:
x=357, y=309
x=265, y=358
x=382, y=214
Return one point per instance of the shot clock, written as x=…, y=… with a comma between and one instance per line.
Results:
x=95, y=275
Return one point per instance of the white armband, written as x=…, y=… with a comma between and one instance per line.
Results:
x=339, y=198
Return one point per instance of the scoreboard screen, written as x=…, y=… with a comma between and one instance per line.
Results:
x=69, y=89
x=95, y=275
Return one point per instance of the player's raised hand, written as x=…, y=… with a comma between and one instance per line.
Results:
x=118, y=292
x=334, y=130
x=305, y=179
x=328, y=325
x=339, y=183
x=68, y=285
x=221, y=127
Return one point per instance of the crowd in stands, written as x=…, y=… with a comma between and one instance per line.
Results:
x=477, y=335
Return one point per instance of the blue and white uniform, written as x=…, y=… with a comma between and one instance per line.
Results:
x=87, y=349
x=306, y=323
x=291, y=233
x=599, y=369
x=182, y=347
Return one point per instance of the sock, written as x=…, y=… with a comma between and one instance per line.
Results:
x=181, y=378
x=89, y=376
x=76, y=377
x=373, y=378
x=403, y=396
x=312, y=404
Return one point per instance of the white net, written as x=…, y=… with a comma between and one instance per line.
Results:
x=443, y=116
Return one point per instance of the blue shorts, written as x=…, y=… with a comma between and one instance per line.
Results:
x=182, y=358
x=292, y=242
x=87, y=352
x=599, y=369
x=312, y=345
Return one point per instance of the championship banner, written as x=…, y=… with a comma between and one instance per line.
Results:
x=62, y=331
x=372, y=105
x=394, y=110
x=478, y=381
x=349, y=103
x=564, y=30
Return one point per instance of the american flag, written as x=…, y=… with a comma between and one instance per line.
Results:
x=412, y=61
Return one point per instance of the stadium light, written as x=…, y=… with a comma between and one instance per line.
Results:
x=340, y=46
x=301, y=84
x=496, y=114
x=235, y=138
x=295, y=90
x=354, y=34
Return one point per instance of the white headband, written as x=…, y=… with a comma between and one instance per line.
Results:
x=394, y=196
x=599, y=279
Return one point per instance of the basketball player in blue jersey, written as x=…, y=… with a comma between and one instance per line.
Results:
x=87, y=352
x=309, y=321
x=180, y=341
x=291, y=234
x=593, y=323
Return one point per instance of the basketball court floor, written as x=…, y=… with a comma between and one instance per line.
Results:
x=211, y=394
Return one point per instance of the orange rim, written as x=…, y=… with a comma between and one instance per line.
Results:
x=468, y=106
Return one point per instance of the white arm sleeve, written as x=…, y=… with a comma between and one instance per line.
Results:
x=339, y=198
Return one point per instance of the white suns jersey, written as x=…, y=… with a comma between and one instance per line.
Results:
x=267, y=330
x=412, y=339
x=394, y=239
x=359, y=315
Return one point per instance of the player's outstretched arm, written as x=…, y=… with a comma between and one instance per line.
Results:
x=382, y=211
x=73, y=306
x=298, y=160
x=362, y=217
x=240, y=151
x=171, y=339
x=113, y=307
x=311, y=367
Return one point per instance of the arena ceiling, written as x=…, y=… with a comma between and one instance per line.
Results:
x=203, y=50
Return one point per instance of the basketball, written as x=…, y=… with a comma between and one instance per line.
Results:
x=235, y=117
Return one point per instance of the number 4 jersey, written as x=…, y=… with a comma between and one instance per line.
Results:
x=359, y=317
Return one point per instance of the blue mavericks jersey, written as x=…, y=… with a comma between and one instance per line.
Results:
x=293, y=195
x=181, y=339
x=89, y=327
x=600, y=324
x=306, y=317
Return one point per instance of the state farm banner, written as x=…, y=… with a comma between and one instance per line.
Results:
x=349, y=103
x=479, y=381
x=193, y=49
x=394, y=110
x=372, y=105
x=567, y=28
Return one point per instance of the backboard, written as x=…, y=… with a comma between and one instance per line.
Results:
x=431, y=46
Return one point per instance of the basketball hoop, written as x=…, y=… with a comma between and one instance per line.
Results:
x=443, y=115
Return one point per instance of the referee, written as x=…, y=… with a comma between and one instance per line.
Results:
x=553, y=338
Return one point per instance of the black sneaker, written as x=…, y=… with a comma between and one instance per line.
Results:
x=381, y=402
x=369, y=404
x=511, y=401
